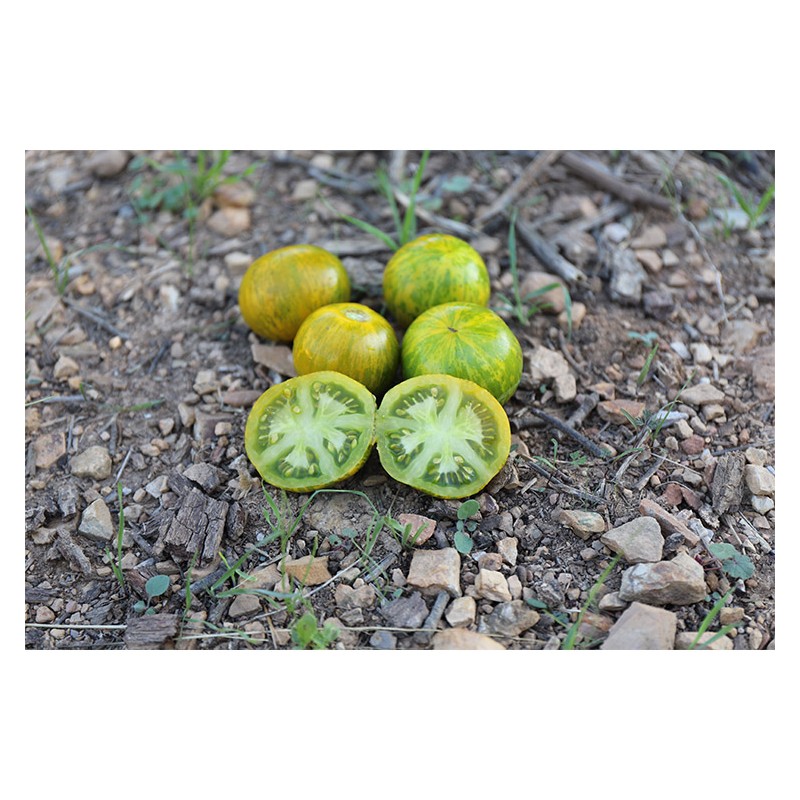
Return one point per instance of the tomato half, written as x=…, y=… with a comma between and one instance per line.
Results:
x=311, y=431
x=433, y=269
x=442, y=435
x=281, y=288
x=465, y=340
x=349, y=338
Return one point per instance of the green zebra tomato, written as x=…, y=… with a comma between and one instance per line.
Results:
x=311, y=431
x=465, y=340
x=442, y=435
x=349, y=338
x=433, y=269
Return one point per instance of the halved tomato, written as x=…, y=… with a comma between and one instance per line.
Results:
x=349, y=338
x=311, y=431
x=281, y=288
x=442, y=435
x=465, y=340
x=433, y=269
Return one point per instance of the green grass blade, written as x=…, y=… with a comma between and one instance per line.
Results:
x=371, y=229
x=386, y=188
x=410, y=220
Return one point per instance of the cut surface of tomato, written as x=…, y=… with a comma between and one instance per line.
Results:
x=445, y=436
x=311, y=431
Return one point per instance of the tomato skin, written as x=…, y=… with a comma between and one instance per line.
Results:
x=433, y=269
x=281, y=288
x=465, y=340
x=311, y=431
x=350, y=338
x=442, y=435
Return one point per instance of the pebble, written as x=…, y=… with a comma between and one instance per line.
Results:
x=612, y=602
x=741, y=336
x=309, y=570
x=612, y=410
x=575, y=317
x=684, y=640
x=433, y=571
x=669, y=259
x=730, y=615
x=238, y=195
x=94, y=462
x=158, y=486
x=701, y=394
x=229, y=221
x=681, y=349
x=616, y=232
x=565, y=387
x=204, y=475
x=461, y=612
x=583, y=523
x=755, y=455
x=65, y=368
x=693, y=445
x=508, y=549
x=96, y=522
x=627, y=277
x=761, y=504
x=107, y=163
x=348, y=598
x=492, y=585
x=463, y=639
x=650, y=260
x=510, y=619
x=405, y=612
x=680, y=581
x=760, y=481
x=638, y=541
x=545, y=364
x=383, y=640
x=642, y=627
x=275, y=356
x=422, y=528
x=44, y=615
x=701, y=353
x=651, y=238
x=305, y=190
x=552, y=301
x=244, y=605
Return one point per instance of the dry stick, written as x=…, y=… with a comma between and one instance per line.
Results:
x=354, y=247
x=98, y=319
x=604, y=216
x=397, y=163
x=642, y=482
x=562, y=342
x=520, y=186
x=594, y=172
x=434, y=220
x=594, y=449
x=548, y=255
x=587, y=405
x=560, y=485
x=432, y=620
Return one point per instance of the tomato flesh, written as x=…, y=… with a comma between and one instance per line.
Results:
x=443, y=435
x=311, y=431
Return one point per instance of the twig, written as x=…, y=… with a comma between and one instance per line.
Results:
x=397, y=163
x=588, y=404
x=562, y=341
x=588, y=444
x=354, y=247
x=434, y=220
x=520, y=185
x=594, y=172
x=642, y=482
x=604, y=216
x=98, y=319
x=432, y=620
x=560, y=485
x=548, y=255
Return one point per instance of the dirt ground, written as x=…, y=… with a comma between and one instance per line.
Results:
x=140, y=374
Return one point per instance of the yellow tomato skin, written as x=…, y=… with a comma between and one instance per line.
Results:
x=432, y=269
x=350, y=338
x=281, y=288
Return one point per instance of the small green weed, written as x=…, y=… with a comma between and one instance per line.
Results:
x=706, y=624
x=307, y=634
x=754, y=208
x=465, y=526
x=155, y=587
x=524, y=308
x=116, y=563
x=405, y=225
x=734, y=564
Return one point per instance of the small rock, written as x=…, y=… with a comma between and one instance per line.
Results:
x=755, y=455
x=238, y=195
x=107, y=163
x=461, y=612
x=508, y=549
x=347, y=597
x=761, y=504
x=511, y=619
x=433, y=571
x=491, y=585
x=422, y=528
x=574, y=317
x=693, y=445
x=229, y=221
x=305, y=190
x=741, y=336
x=204, y=475
x=760, y=481
x=638, y=541
x=405, y=612
x=681, y=349
x=48, y=449
x=668, y=523
x=651, y=238
x=94, y=462
x=650, y=260
x=65, y=368
x=617, y=411
x=669, y=259
x=658, y=304
x=701, y=353
x=643, y=627
x=583, y=523
x=552, y=301
x=156, y=487
x=565, y=387
x=96, y=522
x=463, y=639
x=309, y=570
x=545, y=364
x=275, y=356
x=680, y=581
x=612, y=602
x=244, y=605
x=383, y=640
x=730, y=615
x=701, y=394
x=627, y=277
x=684, y=640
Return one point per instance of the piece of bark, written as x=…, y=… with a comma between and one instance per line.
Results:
x=72, y=552
x=727, y=485
x=196, y=528
x=595, y=173
x=151, y=632
x=548, y=255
